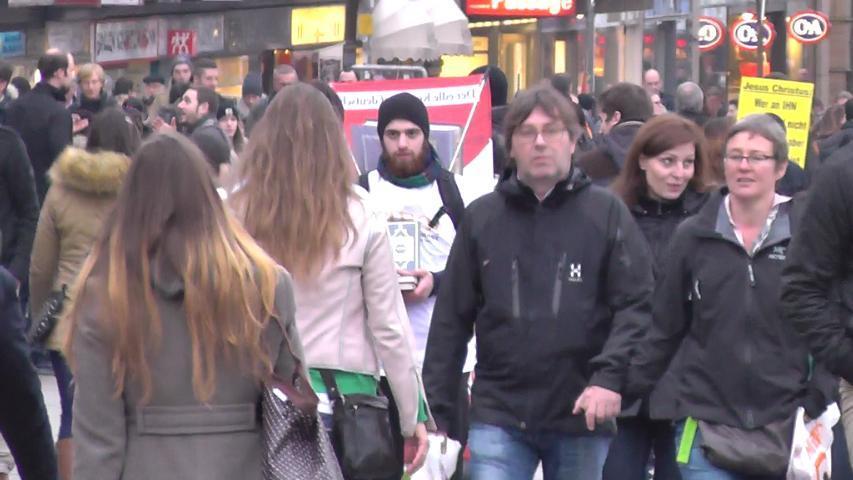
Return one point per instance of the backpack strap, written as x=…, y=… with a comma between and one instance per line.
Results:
x=364, y=181
x=450, y=197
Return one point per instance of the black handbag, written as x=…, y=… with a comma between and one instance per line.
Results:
x=361, y=434
x=296, y=446
x=41, y=329
x=764, y=451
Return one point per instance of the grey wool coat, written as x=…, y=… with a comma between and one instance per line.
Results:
x=173, y=436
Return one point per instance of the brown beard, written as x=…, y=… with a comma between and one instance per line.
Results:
x=406, y=169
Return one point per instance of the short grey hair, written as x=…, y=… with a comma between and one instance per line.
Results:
x=767, y=127
x=689, y=98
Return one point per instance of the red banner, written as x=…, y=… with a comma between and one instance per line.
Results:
x=453, y=104
x=520, y=8
x=181, y=42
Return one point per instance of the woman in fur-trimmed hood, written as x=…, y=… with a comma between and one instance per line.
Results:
x=84, y=186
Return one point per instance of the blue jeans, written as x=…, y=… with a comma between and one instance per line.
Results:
x=503, y=453
x=699, y=468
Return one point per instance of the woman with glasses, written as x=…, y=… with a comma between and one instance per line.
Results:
x=741, y=371
x=662, y=183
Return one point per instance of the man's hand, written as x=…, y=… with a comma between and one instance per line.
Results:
x=421, y=439
x=78, y=123
x=424, y=288
x=160, y=126
x=598, y=404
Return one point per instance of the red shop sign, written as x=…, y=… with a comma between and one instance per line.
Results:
x=181, y=42
x=520, y=8
x=744, y=34
x=712, y=33
x=809, y=26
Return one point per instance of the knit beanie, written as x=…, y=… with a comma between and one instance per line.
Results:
x=252, y=84
x=403, y=106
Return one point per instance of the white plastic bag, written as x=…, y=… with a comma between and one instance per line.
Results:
x=441, y=459
x=811, y=456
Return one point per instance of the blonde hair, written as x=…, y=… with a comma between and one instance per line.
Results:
x=229, y=281
x=298, y=178
x=87, y=70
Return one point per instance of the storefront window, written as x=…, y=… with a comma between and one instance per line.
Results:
x=232, y=71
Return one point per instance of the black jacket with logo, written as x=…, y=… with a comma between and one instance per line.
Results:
x=558, y=293
x=817, y=295
x=740, y=364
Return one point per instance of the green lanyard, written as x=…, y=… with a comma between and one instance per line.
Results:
x=687, y=439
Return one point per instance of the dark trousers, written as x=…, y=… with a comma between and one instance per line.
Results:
x=636, y=438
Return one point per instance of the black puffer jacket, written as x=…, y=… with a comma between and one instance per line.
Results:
x=559, y=293
x=740, y=364
x=658, y=220
x=817, y=296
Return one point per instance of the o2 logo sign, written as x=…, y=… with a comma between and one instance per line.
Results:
x=745, y=34
x=712, y=33
x=808, y=26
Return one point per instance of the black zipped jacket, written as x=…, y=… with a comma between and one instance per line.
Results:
x=740, y=364
x=817, y=294
x=558, y=293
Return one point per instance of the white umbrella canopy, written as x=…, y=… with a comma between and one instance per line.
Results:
x=419, y=29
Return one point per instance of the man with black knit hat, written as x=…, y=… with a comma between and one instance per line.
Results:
x=410, y=184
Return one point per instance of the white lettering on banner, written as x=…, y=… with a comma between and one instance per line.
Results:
x=431, y=97
x=553, y=7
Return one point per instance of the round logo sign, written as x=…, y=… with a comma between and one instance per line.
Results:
x=712, y=33
x=745, y=34
x=808, y=26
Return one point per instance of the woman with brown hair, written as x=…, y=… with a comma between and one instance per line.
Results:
x=715, y=138
x=662, y=184
x=84, y=186
x=179, y=318
x=297, y=199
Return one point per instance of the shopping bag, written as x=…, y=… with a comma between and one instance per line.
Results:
x=811, y=455
x=441, y=459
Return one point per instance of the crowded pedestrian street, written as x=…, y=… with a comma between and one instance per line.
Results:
x=426, y=239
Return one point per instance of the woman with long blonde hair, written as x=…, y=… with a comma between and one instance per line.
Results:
x=298, y=201
x=179, y=318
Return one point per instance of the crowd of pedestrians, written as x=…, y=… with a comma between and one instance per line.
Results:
x=651, y=290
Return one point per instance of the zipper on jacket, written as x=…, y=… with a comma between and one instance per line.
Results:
x=516, y=293
x=751, y=274
x=558, y=285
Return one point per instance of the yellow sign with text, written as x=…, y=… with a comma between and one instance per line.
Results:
x=317, y=25
x=791, y=101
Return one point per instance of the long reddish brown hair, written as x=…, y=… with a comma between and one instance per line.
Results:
x=168, y=211
x=656, y=136
x=298, y=178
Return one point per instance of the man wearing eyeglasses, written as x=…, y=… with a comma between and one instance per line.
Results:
x=555, y=278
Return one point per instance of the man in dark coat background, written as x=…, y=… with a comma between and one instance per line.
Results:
x=41, y=119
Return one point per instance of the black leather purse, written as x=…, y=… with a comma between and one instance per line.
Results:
x=41, y=329
x=361, y=434
x=764, y=451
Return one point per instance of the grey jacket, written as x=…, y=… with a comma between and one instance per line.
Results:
x=173, y=435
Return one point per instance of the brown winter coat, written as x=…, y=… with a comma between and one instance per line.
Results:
x=83, y=189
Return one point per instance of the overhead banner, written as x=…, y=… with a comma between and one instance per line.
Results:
x=460, y=121
x=791, y=101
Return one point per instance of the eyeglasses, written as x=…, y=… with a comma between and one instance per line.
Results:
x=753, y=159
x=549, y=133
